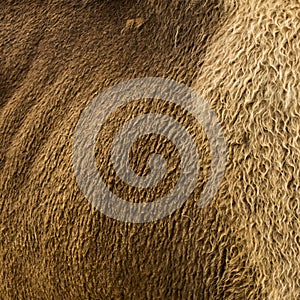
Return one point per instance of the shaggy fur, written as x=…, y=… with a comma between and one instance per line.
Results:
x=251, y=77
x=243, y=57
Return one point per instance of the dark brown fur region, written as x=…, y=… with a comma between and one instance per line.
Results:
x=243, y=57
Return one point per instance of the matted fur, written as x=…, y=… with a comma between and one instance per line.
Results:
x=243, y=57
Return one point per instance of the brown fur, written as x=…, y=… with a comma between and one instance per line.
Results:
x=243, y=57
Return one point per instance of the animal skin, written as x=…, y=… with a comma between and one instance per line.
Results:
x=242, y=57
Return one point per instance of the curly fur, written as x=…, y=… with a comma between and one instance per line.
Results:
x=243, y=57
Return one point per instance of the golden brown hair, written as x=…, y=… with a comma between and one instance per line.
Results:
x=242, y=57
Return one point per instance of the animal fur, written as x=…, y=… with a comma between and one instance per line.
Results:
x=243, y=57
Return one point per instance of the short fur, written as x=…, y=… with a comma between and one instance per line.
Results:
x=243, y=57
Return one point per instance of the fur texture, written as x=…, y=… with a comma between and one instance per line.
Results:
x=243, y=57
